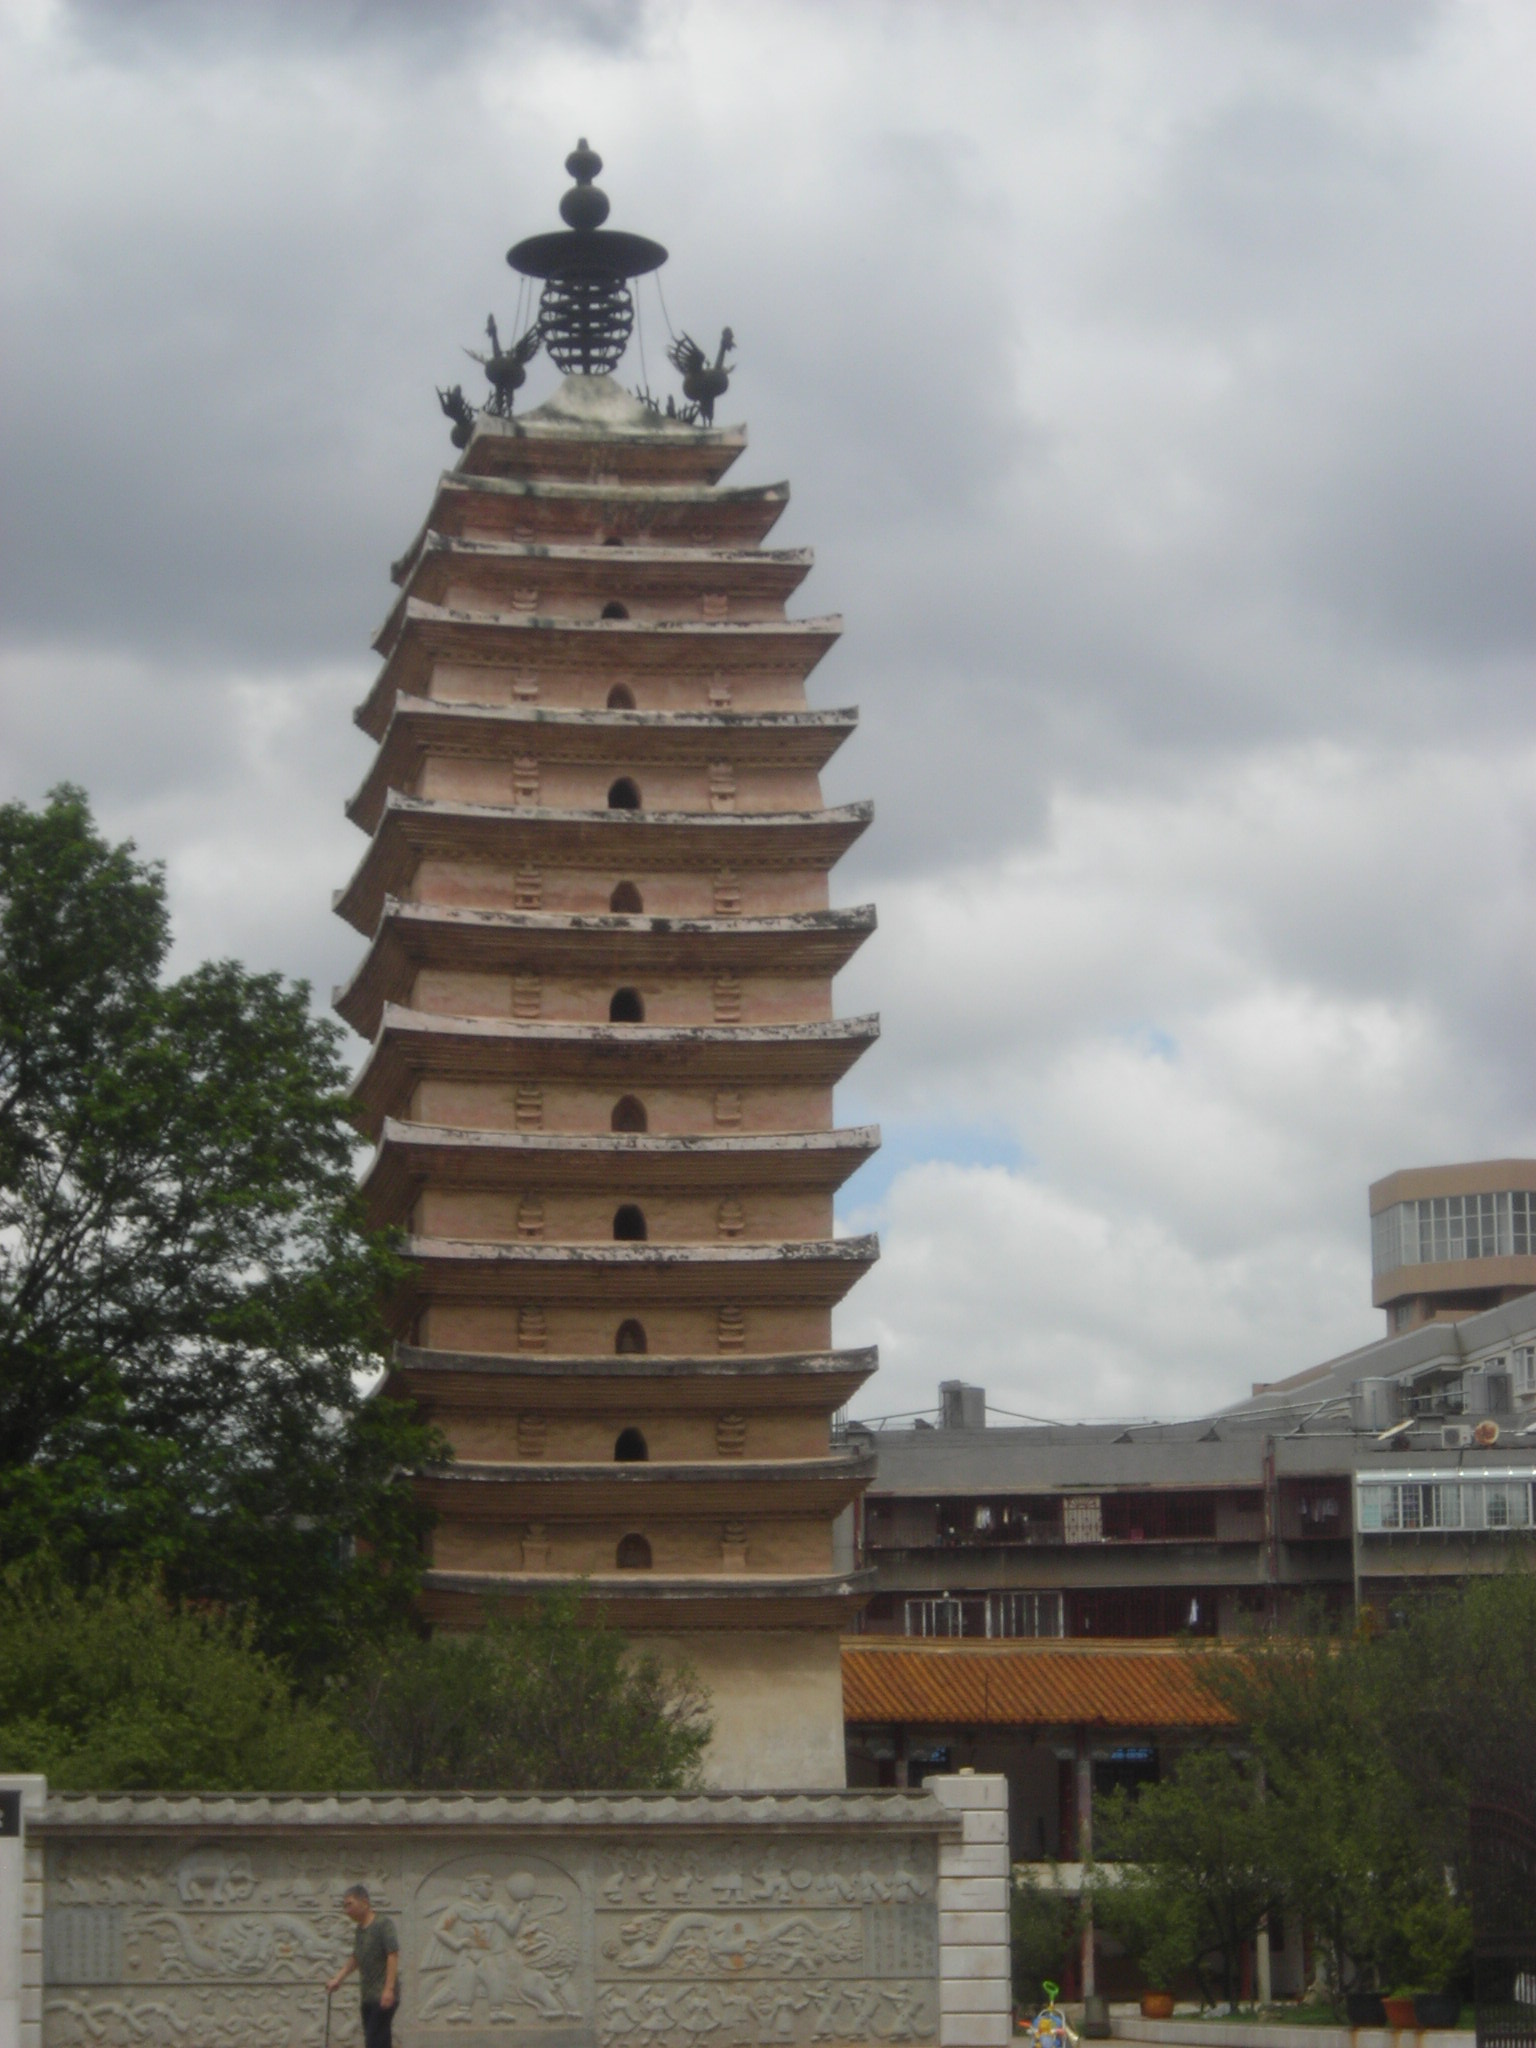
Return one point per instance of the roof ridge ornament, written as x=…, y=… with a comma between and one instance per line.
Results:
x=586, y=310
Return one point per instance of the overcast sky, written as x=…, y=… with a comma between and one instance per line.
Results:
x=1155, y=387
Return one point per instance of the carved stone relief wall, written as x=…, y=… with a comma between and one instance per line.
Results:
x=720, y=1935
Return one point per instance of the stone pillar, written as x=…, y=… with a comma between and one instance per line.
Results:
x=21, y=1914
x=975, y=1960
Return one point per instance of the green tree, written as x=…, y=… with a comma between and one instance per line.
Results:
x=1202, y=1843
x=114, y=1689
x=1313, y=1714
x=188, y=1303
x=536, y=1702
x=1045, y=1929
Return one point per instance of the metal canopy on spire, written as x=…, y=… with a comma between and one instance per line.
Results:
x=585, y=310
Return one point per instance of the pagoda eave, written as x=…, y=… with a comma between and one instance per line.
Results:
x=423, y=727
x=411, y=936
x=535, y=1491
x=650, y=1600
x=588, y=571
x=411, y=1156
x=443, y=1380
x=614, y=648
x=409, y=1043
x=811, y=1272
x=654, y=451
x=413, y=829
x=735, y=515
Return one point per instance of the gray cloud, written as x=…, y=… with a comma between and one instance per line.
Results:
x=1153, y=387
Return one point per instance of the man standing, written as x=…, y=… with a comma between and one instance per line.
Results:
x=376, y=1959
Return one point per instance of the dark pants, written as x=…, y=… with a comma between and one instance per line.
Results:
x=378, y=2022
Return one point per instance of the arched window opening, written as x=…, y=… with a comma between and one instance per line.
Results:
x=629, y=1115
x=633, y=1555
x=613, y=540
x=628, y=898
x=624, y=795
x=625, y=1007
x=630, y=1341
x=630, y=1448
x=614, y=610
x=621, y=698
x=629, y=1224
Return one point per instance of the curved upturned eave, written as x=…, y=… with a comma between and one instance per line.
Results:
x=411, y=829
x=820, y=1380
x=747, y=512
x=420, y=726
x=588, y=569
x=813, y=1273
x=618, y=647
x=650, y=1599
x=411, y=936
x=407, y=1044
x=411, y=1156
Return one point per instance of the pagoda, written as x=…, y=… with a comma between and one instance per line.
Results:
x=598, y=994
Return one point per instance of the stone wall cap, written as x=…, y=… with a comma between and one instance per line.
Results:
x=896, y=1812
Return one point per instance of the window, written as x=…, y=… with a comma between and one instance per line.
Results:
x=621, y=698
x=624, y=795
x=629, y=1115
x=1524, y=1362
x=1443, y=1228
x=630, y=1448
x=614, y=610
x=933, y=1617
x=630, y=1338
x=1024, y=1614
x=633, y=1554
x=626, y=1007
x=626, y=897
x=629, y=1224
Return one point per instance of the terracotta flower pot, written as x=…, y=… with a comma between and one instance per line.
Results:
x=1399, y=2012
x=1157, y=2005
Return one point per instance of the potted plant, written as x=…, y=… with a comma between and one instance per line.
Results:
x=1398, y=2006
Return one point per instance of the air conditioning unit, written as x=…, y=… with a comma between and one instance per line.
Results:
x=1456, y=1436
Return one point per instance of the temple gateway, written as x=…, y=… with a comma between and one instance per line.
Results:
x=597, y=987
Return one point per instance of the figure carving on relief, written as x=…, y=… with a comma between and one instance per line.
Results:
x=485, y=1947
x=776, y=2006
x=697, y=2014
x=906, y=2003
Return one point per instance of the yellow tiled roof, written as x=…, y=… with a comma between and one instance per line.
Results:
x=1023, y=1684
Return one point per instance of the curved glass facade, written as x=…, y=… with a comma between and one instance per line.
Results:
x=1442, y=1228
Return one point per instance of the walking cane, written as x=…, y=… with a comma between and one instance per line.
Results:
x=329, y=1994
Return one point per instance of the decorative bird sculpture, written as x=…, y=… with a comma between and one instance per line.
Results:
x=506, y=368
x=460, y=411
x=703, y=381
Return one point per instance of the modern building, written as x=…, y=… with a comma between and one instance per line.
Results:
x=1449, y=1241
x=597, y=988
x=1030, y=1582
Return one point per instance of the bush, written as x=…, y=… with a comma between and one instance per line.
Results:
x=540, y=1702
